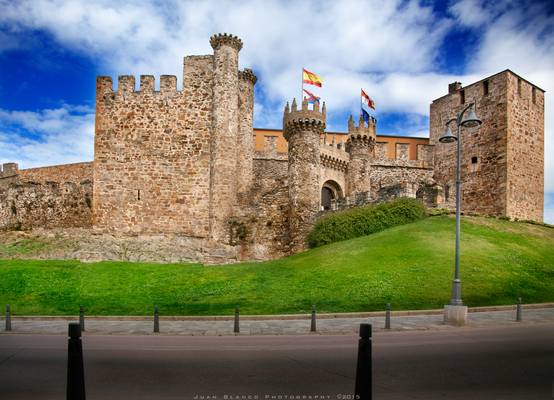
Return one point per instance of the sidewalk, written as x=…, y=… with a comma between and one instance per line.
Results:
x=279, y=325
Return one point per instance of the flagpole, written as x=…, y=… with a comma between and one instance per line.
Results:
x=361, y=101
x=302, y=87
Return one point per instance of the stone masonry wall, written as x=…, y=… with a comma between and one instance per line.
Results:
x=525, y=158
x=152, y=153
x=76, y=173
x=28, y=205
x=484, y=170
x=245, y=141
x=223, y=176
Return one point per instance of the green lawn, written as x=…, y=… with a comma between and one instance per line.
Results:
x=410, y=266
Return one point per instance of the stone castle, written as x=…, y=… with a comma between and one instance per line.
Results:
x=188, y=164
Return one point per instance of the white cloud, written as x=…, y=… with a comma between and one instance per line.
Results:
x=518, y=38
x=58, y=136
x=388, y=47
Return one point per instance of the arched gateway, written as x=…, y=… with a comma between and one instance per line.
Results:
x=330, y=191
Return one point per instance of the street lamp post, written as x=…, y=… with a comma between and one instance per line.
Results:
x=456, y=312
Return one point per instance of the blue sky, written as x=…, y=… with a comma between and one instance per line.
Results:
x=403, y=53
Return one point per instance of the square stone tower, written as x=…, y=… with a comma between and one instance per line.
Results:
x=503, y=159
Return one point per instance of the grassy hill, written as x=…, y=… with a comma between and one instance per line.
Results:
x=410, y=266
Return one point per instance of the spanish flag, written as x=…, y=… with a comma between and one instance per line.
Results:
x=310, y=78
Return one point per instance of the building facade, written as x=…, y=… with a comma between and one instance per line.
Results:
x=189, y=162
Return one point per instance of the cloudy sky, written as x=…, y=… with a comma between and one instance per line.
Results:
x=403, y=53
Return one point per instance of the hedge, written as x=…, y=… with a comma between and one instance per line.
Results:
x=365, y=220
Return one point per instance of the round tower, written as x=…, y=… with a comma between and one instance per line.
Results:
x=245, y=143
x=223, y=182
x=360, y=144
x=302, y=129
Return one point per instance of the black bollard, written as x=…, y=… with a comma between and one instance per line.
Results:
x=364, y=378
x=8, y=318
x=313, y=326
x=518, y=309
x=82, y=318
x=75, y=367
x=156, y=320
x=387, y=316
x=237, y=313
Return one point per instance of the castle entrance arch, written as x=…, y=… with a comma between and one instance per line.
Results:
x=330, y=191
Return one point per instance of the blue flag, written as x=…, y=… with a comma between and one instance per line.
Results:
x=365, y=116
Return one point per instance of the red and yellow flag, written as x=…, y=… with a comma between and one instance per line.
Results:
x=311, y=79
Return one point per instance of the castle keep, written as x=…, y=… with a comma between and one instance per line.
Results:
x=188, y=166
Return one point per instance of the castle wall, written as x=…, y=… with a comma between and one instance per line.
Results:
x=28, y=205
x=525, y=152
x=268, y=224
x=484, y=148
x=76, y=173
x=152, y=153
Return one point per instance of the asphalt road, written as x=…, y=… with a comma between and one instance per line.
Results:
x=511, y=362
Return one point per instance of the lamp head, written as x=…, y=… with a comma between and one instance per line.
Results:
x=447, y=136
x=471, y=120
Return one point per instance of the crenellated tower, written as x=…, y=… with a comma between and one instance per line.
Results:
x=359, y=145
x=302, y=129
x=225, y=134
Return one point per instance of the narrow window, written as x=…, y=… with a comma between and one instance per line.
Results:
x=138, y=194
x=462, y=97
x=519, y=87
x=534, y=95
x=485, y=88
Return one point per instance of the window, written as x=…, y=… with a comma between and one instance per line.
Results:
x=138, y=194
x=474, y=160
x=519, y=87
x=462, y=97
x=485, y=88
x=534, y=95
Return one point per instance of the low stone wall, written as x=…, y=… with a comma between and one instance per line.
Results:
x=88, y=245
x=28, y=205
x=76, y=173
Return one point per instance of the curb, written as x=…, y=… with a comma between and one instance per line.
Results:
x=276, y=317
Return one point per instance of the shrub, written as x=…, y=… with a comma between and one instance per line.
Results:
x=361, y=221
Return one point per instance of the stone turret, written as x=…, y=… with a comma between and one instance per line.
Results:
x=302, y=129
x=360, y=144
x=245, y=142
x=223, y=178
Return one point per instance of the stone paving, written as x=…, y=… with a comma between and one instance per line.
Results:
x=277, y=326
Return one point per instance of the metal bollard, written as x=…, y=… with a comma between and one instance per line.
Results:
x=82, y=318
x=75, y=367
x=237, y=313
x=156, y=320
x=8, y=318
x=313, y=326
x=364, y=378
x=518, y=309
x=387, y=316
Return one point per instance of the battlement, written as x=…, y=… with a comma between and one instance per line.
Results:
x=362, y=135
x=248, y=75
x=217, y=40
x=304, y=119
x=334, y=156
x=126, y=85
x=9, y=170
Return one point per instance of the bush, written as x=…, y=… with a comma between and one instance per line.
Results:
x=361, y=221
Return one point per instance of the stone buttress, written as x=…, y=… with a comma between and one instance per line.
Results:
x=223, y=177
x=302, y=129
